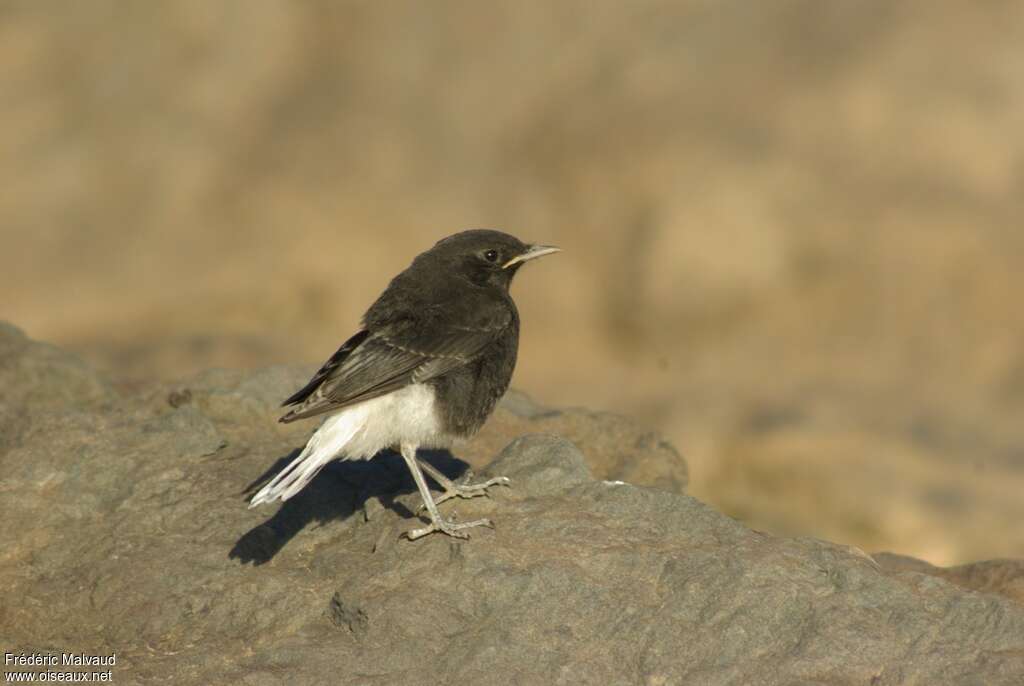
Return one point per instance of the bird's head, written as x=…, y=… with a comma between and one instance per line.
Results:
x=486, y=257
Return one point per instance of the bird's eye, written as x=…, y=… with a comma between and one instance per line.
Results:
x=491, y=255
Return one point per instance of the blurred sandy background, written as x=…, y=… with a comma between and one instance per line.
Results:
x=791, y=230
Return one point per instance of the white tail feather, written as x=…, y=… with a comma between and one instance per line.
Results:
x=323, y=446
x=359, y=432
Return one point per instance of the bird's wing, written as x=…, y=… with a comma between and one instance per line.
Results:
x=336, y=360
x=371, y=364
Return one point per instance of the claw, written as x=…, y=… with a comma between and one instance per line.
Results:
x=449, y=527
x=469, y=490
x=451, y=490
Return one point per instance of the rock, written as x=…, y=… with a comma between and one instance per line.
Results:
x=1005, y=577
x=615, y=447
x=542, y=465
x=127, y=531
x=345, y=615
x=44, y=378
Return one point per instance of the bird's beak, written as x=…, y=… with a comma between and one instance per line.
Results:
x=533, y=252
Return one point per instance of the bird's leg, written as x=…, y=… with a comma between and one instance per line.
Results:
x=437, y=523
x=454, y=490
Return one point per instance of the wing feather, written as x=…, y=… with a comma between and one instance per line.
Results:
x=371, y=364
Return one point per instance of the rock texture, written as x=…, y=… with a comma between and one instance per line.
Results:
x=1005, y=577
x=126, y=531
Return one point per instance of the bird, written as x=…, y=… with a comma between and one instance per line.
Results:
x=434, y=354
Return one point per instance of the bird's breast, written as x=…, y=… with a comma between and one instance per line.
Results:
x=466, y=396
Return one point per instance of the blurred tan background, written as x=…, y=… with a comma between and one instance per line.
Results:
x=791, y=230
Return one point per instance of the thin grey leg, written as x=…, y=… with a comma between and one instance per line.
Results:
x=454, y=490
x=437, y=523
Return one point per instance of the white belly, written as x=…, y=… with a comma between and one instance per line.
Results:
x=359, y=432
x=404, y=416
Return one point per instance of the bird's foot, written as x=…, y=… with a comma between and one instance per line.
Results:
x=448, y=526
x=454, y=490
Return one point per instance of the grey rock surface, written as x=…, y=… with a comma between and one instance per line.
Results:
x=127, y=531
x=1005, y=577
x=615, y=447
x=542, y=464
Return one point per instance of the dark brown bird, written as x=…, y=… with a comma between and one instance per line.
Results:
x=435, y=353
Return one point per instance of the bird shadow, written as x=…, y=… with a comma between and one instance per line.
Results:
x=339, y=491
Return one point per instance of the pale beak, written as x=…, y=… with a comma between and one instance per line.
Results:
x=533, y=252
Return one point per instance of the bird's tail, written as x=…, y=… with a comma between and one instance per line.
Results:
x=324, y=445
